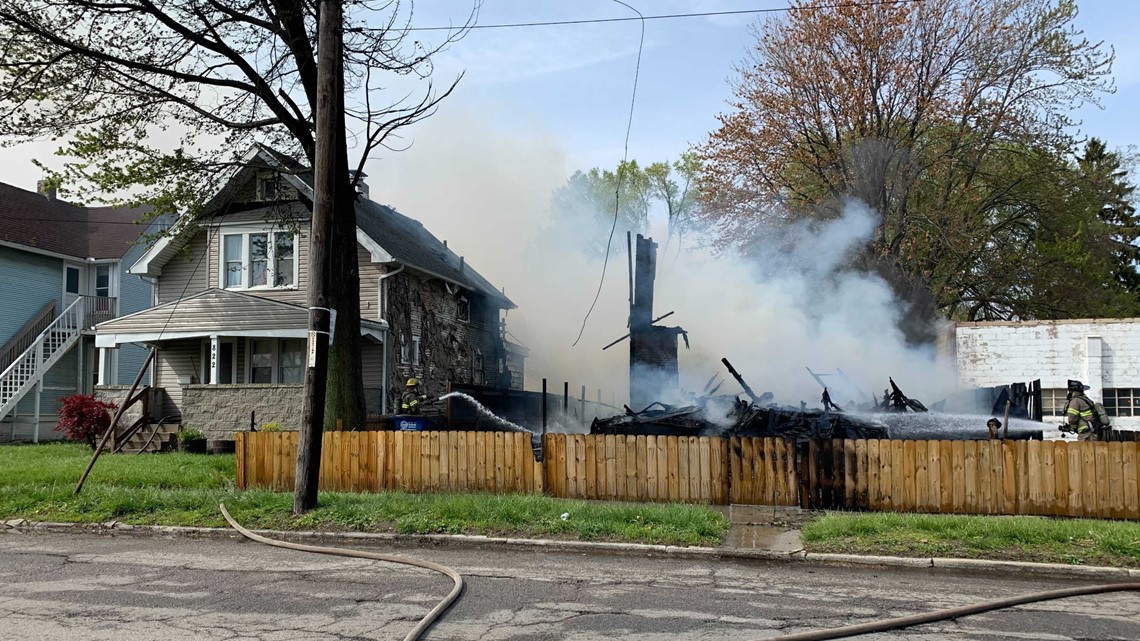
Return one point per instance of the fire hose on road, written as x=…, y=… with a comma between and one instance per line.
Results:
x=899, y=623
x=884, y=625
x=424, y=623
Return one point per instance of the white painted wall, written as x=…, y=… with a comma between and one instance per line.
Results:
x=1101, y=353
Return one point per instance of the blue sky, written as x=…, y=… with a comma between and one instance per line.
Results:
x=571, y=84
x=574, y=82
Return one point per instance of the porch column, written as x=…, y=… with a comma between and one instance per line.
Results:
x=104, y=365
x=214, y=371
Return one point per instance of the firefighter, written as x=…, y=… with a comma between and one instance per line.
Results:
x=412, y=400
x=1081, y=413
x=994, y=427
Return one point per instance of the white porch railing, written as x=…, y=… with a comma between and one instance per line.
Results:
x=29, y=368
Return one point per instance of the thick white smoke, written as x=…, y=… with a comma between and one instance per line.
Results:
x=488, y=193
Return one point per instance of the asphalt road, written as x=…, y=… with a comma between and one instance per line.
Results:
x=85, y=587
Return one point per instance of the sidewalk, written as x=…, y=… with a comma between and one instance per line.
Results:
x=757, y=527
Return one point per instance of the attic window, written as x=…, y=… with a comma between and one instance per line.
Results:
x=463, y=309
x=269, y=187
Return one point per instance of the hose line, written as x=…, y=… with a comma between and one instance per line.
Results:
x=424, y=623
x=952, y=613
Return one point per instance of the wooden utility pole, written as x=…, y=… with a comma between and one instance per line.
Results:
x=324, y=190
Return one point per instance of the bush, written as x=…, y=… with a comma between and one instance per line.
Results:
x=272, y=427
x=190, y=435
x=84, y=418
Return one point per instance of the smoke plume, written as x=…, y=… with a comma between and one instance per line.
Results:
x=790, y=307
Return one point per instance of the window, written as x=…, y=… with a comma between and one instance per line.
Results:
x=415, y=351
x=102, y=280
x=283, y=259
x=291, y=366
x=405, y=354
x=1053, y=402
x=232, y=264
x=258, y=260
x=1123, y=401
x=269, y=187
x=261, y=360
x=463, y=309
x=477, y=368
x=250, y=260
x=279, y=361
x=71, y=280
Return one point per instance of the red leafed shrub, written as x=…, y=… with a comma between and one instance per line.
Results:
x=84, y=418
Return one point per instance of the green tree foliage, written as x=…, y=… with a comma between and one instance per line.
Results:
x=584, y=207
x=950, y=118
x=107, y=78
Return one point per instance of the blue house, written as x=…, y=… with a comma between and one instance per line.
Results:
x=62, y=271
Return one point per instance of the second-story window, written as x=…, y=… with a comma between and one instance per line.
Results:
x=251, y=261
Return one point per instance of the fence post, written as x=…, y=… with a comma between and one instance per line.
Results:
x=544, y=406
x=583, y=406
x=565, y=397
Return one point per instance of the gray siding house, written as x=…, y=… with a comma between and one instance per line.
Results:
x=62, y=270
x=231, y=322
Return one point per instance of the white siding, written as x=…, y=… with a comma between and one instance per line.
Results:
x=1101, y=353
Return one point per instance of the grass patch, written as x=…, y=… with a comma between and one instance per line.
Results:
x=1017, y=538
x=36, y=483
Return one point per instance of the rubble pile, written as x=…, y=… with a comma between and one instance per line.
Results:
x=743, y=418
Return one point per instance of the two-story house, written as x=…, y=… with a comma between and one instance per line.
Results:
x=61, y=271
x=231, y=322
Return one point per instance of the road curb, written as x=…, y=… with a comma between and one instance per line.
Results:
x=1041, y=570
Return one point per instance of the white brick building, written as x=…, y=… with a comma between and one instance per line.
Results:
x=1104, y=354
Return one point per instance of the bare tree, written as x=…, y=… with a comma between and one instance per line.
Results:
x=105, y=76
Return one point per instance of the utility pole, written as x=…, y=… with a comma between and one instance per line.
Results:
x=324, y=189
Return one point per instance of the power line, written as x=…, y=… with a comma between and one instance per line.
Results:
x=620, y=173
x=664, y=16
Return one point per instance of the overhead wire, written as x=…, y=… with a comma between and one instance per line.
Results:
x=663, y=16
x=620, y=175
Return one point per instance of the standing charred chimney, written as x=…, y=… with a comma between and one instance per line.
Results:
x=653, y=371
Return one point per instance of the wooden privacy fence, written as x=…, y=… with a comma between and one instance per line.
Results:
x=953, y=477
x=636, y=468
x=1049, y=478
x=410, y=461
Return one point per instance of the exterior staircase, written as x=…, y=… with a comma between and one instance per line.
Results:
x=28, y=369
x=158, y=437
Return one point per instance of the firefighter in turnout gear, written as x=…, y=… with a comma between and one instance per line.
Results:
x=1081, y=413
x=413, y=400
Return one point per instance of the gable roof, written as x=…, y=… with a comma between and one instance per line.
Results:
x=389, y=235
x=32, y=220
x=408, y=242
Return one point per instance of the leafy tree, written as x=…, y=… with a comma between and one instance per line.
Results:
x=939, y=114
x=104, y=76
x=1112, y=198
x=584, y=207
x=84, y=418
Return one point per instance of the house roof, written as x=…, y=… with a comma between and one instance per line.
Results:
x=408, y=242
x=32, y=220
x=215, y=312
x=389, y=235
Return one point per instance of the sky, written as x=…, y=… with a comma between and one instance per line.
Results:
x=573, y=83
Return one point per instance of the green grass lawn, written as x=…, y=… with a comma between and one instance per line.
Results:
x=36, y=483
x=1019, y=538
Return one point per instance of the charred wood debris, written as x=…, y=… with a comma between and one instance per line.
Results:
x=712, y=414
